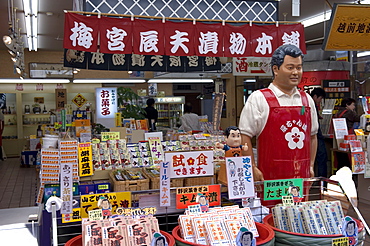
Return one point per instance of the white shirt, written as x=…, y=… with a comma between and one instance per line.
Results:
x=190, y=122
x=256, y=110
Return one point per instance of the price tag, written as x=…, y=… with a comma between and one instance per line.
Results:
x=95, y=214
x=342, y=241
x=287, y=200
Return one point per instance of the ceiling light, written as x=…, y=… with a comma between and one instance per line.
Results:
x=365, y=53
x=34, y=81
x=7, y=39
x=112, y=81
x=316, y=19
x=30, y=12
x=180, y=81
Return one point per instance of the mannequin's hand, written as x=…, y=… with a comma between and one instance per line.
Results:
x=219, y=145
x=257, y=174
x=245, y=147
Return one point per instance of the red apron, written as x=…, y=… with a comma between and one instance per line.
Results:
x=284, y=144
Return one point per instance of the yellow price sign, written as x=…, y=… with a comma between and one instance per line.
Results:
x=342, y=241
x=105, y=136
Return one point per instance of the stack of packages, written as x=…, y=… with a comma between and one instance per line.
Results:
x=119, y=231
x=314, y=217
x=140, y=155
x=219, y=226
x=110, y=155
x=51, y=160
x=68, y=150
x=189, y=142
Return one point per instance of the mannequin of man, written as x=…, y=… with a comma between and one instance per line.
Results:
x=284, y=121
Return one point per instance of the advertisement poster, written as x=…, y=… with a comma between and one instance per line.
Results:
x=165, y=185
x=117, y=200
x=66, y=188
x=85, y=159
x=188, y=195
x=240, y=182
x=190, y=164
x=252, y=66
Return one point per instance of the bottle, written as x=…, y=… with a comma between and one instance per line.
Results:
x=44, y=111
x=9, y=111
x=39, y=132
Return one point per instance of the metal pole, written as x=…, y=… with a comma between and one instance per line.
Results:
x=54, y=223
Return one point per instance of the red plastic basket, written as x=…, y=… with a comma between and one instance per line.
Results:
x=266, y=234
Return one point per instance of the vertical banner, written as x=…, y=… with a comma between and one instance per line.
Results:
x=240, y=177
x=85, y=159
x=66, y=189
x=164, y=185
x=156, y=148
x=60, y=98
x=218, y=101
x=106, y=106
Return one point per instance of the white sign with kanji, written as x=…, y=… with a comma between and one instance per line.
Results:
x=239, y=177
x=190, y=164
x=165, y=185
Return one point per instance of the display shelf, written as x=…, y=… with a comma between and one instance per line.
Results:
x=170, y=110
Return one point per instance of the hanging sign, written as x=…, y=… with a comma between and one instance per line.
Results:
x=188, y=195
x=60, y=98
x=190, y=164
x=240, y=182
x=79, y=100
x=106, y=106
x=276, y=189
x=66, y=188
x=156, y=149
x=164, y=185
x=252, y=66
x=85, y=159
x=153, y=37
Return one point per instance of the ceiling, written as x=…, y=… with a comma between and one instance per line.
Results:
x=51, y=19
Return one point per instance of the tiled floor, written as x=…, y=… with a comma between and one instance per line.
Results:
x=17, y=185
x=18, y=188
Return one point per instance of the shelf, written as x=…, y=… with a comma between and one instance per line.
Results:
x=37, y=114
x=10, y=125
x=9, y=114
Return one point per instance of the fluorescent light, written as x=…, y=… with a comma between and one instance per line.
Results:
x=180, y=81
x=316, y=19
x=34, y=81
x=365, y=53
x=30, y=12
x=104, y=81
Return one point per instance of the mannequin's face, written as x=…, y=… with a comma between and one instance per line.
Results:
x=234, y=139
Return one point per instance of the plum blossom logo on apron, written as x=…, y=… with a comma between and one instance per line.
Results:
x=294, y=133
x=295, y=138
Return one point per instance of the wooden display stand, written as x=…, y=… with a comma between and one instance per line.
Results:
x=128, y=185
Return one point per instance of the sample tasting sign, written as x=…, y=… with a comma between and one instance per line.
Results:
x=240, y=182
x=190, y=164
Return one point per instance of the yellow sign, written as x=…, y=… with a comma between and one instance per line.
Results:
x=118, y=119
x=342, y=241
x=117, y=200
x=79, y=100
x=74, y=217
x=105, y=136
x=349, y=28
x=85, y=159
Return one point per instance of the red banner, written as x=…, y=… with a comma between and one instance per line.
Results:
x=180, y=38
x=208, y=39
x=115, y=35
x=148, y=37
x=81, y=32
x=238, y=43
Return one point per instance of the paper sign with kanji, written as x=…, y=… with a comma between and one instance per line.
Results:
x=239, y=177
x=190, y=164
